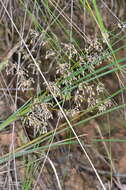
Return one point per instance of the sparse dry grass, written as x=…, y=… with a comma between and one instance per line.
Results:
x=62, y=69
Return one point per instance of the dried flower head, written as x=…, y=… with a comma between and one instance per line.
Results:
x=11, y=68
x=39, y=116
x=62, y=68
x=100, y=88
x=92, y=101
x=54, y=88
x=104, y=106
x=25, y=83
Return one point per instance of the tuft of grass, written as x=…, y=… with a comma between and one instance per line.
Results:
x=67, y=76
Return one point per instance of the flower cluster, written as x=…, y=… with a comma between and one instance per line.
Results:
x=104, y=106
x=91, y=94
x=21, y=64
x=38, y=118
x=69, y=68
x=54, y=89
x=69, y=72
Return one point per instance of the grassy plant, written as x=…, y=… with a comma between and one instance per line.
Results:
x=63, y=72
